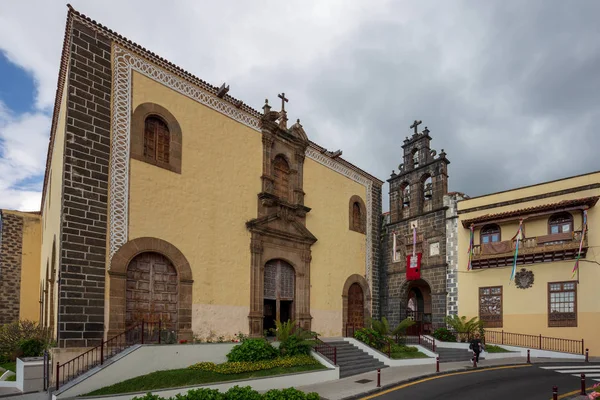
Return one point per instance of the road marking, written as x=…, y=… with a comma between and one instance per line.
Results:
x=572, y=367
x=570, y=371
x=438, y=377
x=587, y=375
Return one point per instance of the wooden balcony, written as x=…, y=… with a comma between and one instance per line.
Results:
x=532, y=250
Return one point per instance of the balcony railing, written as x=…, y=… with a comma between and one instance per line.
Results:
x=537, y=249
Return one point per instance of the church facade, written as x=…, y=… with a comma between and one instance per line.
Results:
x=167, y=199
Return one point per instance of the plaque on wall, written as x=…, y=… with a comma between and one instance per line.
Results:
x=434, y=249
x=524, y=279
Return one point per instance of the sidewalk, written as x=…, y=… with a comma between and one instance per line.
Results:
x=350, y=388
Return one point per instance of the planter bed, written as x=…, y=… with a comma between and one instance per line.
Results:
x=189, y=377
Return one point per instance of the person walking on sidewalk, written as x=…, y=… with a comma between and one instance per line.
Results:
x=476, y=346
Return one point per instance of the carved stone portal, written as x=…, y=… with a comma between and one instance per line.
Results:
x=524, y=279
x=279, y=233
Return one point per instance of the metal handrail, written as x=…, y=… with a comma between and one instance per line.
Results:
x=540, y=342
x=326, y=350
x=107, y=349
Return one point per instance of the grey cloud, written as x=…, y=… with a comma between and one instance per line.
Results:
x=512, y=97
x=508, y=88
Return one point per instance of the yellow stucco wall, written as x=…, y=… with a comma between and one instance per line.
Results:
x=51, y=209
x=203, y=210
x=339, y=252
x=519, y=193
x=526, y=310
x=30, y=261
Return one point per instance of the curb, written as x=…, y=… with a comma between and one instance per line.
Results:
x=417, y=378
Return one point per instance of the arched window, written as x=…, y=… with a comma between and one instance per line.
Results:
x=428, y=188
x=490, y=234
x=281, y=172
x=356, y=218
x=560, y=223
x=357, y=214
x=157, y=140
x=405, y=195
x=415, y=158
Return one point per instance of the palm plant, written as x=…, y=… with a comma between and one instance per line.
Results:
x=465, y=329
x=293, y=340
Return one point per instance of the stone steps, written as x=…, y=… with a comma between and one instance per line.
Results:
x=352, y=360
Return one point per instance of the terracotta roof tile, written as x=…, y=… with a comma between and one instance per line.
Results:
x=586, y=201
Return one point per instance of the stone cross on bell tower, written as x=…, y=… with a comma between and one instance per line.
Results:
x=415, y=125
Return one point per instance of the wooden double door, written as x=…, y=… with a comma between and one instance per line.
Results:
x=279, y=293
x=152, y=290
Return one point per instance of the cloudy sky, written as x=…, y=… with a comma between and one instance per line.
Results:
x=510, y=89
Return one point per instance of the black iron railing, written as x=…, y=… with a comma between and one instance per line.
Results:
x=328, y=351
x=535, y=342
x=141, y=333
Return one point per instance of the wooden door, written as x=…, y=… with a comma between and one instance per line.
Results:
x=279, y=287
x=356, y=306
x=152, y=290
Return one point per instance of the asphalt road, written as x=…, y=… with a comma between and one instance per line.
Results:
x=528, y=382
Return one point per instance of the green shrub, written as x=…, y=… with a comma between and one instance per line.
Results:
x=465, y=329
x=150, y=396
x=32, y=347
x=398, y=348
x=233, y=367
x=369, y=336
x=242, y=393
x=289, y=394
x=252, y=350
x=444, y=335
x=373, y=338
x=237, y=393
x=293, y=340
x=295, y=345
x=13, y=334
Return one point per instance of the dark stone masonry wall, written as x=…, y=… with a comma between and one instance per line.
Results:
x=375, y=246
x=11, y=249
x=433, y=269
x=87, y=151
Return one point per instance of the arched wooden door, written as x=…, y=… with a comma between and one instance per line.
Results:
x=356, y=306
x=152, y=290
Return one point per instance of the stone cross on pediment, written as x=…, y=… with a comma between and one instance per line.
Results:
x=283, y=115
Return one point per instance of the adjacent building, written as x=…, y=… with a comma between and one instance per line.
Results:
x=22, y=296
x=540, y=231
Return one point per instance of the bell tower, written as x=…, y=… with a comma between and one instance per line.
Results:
x=422, y=179
x=414, y=243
